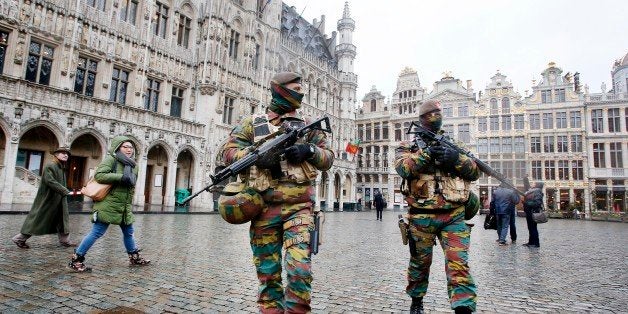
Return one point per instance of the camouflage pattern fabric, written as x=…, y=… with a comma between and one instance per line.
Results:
x=239, y=204
x=472, y=206
x=438, y=218
x=411, y=162
x=277, y=225
x=285, y=221
x=454, y=237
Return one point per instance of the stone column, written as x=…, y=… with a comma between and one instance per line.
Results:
x=330, y=191
x=138, y=198
x=10, y=156
x=170, y=184
x=340, y=196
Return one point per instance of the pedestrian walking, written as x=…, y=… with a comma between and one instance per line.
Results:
x=119, y=168
x=504, y=201
x=288, y=191
x=533, y=203
x=513, y=226
x=379, y=205
x=437, y=187
x=49, y=212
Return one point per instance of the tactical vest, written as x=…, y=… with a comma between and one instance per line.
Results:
x=261, y=179
x=428, y=186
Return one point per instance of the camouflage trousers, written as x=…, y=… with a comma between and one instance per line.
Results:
x=454, y=237
x=288, y=226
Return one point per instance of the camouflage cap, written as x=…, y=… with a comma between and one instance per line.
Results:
x=429, y=106
x=284, y=78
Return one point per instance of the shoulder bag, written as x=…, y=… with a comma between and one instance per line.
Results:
x=540, y=217
x=96, y=191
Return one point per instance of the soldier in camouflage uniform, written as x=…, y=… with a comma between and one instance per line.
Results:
x=436, y=187
x=287, y=187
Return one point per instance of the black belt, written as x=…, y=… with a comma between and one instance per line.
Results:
x=417, y=211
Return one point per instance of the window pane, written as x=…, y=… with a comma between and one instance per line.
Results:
x=46, y=68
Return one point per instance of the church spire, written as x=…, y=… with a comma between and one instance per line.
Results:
x=345, y=13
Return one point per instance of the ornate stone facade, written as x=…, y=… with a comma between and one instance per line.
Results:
x=173, y=75
x=573, y=141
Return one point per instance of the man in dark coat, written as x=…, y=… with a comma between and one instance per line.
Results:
x=49, y=213
x=533, y=203
x=379, y=205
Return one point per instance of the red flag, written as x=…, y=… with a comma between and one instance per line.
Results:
x=352, y=147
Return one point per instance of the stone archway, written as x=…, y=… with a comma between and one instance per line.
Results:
x=86, y=156
x=3, y=148
x=34, y=149
x=185, y=171
x=337, y=191
x=322, y=190
x=347, y=190
x=33, y=152
x=156, y=175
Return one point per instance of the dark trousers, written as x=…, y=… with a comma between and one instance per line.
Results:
x=532, y=230
x=513, y=228
x=379, y=213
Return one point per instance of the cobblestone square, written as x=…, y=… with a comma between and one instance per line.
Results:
x=202, y=264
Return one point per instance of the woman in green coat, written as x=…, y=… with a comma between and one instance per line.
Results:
x=49, y=213
x=118, y=169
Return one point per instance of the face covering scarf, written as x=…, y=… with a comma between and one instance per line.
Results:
x=284, y=100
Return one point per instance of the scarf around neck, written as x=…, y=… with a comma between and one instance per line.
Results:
x=129, y=164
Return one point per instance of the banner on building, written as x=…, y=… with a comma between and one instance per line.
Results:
x=352, y=147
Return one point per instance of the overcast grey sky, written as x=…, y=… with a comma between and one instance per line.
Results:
x=473, y=39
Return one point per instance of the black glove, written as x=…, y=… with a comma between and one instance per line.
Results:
x=126, y=180
x=298, y=153
x=444, y=155
x=269, y=160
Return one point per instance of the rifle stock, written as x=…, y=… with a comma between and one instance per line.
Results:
x=428, y=136
x=285, y=138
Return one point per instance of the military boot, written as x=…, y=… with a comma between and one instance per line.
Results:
x=462, y=310
x=136, y=260
x=417, y=306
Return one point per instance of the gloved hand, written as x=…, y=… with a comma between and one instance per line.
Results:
x=269, y=160
x=126, y=180
x=444, y=155
x=298, y=153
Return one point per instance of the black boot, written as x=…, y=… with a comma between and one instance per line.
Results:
x=462, y=310
x=136, y=260
x=417, y=306
x=77, y=263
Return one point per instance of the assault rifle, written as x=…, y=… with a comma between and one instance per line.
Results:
x=428, y=138
x=273, y=145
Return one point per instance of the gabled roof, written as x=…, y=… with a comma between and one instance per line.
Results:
x=295, y=27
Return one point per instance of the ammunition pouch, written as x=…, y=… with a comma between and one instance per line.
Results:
x=453, y=189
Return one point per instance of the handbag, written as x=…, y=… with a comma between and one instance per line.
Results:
x=96, y=191
x=490, y=222
x=540, y=217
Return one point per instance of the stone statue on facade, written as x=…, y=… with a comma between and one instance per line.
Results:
x=27, y=12
x=38, y=14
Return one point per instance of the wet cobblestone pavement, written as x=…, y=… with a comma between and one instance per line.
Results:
x=202, y=264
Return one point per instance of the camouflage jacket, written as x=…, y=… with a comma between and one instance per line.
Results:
x=411, y=162
x=241, y=139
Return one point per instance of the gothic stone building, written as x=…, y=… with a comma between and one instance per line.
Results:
x=175, y=76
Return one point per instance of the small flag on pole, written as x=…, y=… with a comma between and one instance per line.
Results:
x=352, y=147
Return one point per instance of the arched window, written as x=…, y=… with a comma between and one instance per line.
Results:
x=505, y=105
x=494, y=108
x=373, y=105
